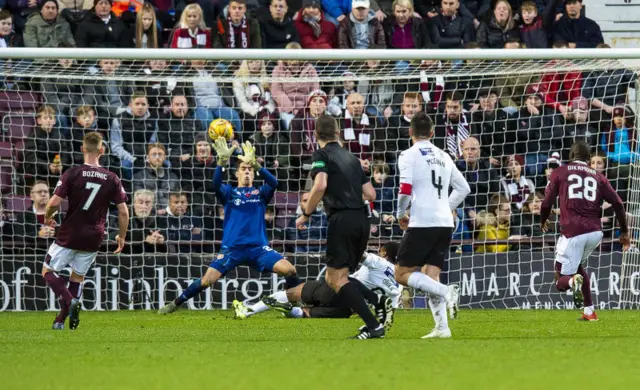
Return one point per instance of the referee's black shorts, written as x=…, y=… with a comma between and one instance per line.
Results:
x=428, y=245
x=347, y=237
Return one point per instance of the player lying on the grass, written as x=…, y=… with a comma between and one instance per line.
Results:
x=90, y=189
x=244, y=240
x=320, y=301
x=581, y=190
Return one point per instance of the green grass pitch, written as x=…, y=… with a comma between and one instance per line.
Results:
x=210, y=350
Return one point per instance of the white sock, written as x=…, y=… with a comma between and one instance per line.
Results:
x=439, y=311
x=281, y=296
x=588, y=310
x=425, y=283
x=297, y=312
x=571, y=283
x=257, y=308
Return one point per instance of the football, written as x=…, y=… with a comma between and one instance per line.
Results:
x=220, y=128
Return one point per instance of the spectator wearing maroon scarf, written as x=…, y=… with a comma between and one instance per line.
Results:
x=315, y=31
x=515, y=186
x=358, y=130
x=236, y=30
x=303, y=125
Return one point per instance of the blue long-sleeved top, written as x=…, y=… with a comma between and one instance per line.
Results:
x=336, y=8
x=244, y=209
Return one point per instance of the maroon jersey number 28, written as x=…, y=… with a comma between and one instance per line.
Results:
x=89, y=190
x=581, y=191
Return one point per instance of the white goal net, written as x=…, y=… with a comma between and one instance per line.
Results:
x=506, y=117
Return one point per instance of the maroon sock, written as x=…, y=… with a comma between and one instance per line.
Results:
x=75, y=289
x=563, y=283
x=586, y=287
x=64, y=311
x=58, y=286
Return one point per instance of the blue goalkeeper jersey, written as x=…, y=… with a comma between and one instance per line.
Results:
x=244, y=209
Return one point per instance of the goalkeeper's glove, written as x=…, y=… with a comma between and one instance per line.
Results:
x=249, y=156
x=223, y=151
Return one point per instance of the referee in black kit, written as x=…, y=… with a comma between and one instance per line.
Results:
x=340, y=182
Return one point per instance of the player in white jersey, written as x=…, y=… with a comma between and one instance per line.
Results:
x=426, y=173
x=320, y=301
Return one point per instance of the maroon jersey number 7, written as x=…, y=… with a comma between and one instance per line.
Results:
x=89, y=190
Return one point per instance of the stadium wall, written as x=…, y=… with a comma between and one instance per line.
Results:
x=517, y=280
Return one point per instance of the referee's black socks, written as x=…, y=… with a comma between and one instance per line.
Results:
x=369, y=295
x=352, y=296
x=291, y=281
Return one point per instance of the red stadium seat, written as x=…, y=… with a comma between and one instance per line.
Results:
x=6, y=178
x=16, y=102
x=5, y=151
x=17, y=204
x=18, y=127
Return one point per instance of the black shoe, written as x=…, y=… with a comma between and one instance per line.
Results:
x=384, y=311
x=74, y=313
x=365, y=334
x=277, y=305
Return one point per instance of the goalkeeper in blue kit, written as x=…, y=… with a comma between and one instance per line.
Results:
x=244, y=240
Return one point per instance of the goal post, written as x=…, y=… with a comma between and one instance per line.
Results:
x=523, y=107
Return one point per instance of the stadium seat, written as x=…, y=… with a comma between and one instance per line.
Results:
x=286, y=204
x=6, y=178
x=18, y=127
x=17, y=102
x=5, y=151
x=17, y=203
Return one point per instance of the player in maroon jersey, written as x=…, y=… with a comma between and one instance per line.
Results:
x=89, y=189
x=582, y=191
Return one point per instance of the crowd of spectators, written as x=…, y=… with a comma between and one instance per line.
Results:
x=506, y=133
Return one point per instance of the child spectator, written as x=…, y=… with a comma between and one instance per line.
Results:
x=147, y=36
x=46, y=153
x=494, y=224
x=515, y=186
x=272, y=146
x=619, y=143
x=535, y=29
x=384, y=205
x=86, y=122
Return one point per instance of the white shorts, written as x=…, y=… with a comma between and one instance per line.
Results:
x=571, y=252
x=59, y=257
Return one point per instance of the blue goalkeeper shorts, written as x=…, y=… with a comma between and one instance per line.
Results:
x=260, y=258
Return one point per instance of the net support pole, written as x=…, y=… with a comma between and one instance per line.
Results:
x=631, y=259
